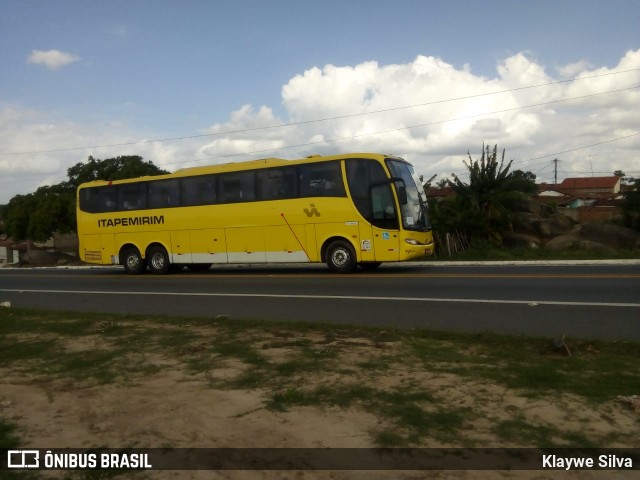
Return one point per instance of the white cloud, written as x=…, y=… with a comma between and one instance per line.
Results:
x=573, y=69
x=451, y=112
x=52, y=59
x=446, y=130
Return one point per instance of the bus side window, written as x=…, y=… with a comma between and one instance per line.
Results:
x=199, y=190
x=132, y=196
x=359, y=183
x=107, y=202
x=164, y=193
x=276, y=183
x=238, y=187
x=322, y=179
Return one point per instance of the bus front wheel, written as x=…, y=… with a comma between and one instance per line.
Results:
x=158, y=260
x=132, y=261
x=341, y=257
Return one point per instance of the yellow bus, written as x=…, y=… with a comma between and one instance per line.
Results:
x=350, y=210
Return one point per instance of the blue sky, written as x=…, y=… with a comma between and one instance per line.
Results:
x=84, y=74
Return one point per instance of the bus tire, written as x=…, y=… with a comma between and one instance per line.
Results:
x=132, y=261
x=158, y=260
x=341, y=257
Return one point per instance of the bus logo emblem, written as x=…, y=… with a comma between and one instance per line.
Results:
x=311, y=212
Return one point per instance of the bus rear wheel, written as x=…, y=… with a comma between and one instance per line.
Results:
x=158, y=260
x=132, y=261
x=341, y=257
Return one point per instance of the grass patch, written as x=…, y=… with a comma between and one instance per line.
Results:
x=413, y=412
x=12, y=351
x=521, y=431
x=8, y=437
x=327, y=366
x=596, y=370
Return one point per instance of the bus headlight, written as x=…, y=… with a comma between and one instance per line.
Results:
x=413, y=241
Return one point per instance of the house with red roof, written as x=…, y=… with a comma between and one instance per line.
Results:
x=581, y=191
x=591, y=185
x=584, y=198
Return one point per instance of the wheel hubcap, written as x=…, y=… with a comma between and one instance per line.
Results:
x=133, y=261
x=340, y=257
x=157, y=261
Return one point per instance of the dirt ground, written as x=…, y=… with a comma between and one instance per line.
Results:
x=174, y=407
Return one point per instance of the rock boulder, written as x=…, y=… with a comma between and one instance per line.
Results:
x=613, y=236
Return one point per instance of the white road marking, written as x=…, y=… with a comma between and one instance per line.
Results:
x=331, y=297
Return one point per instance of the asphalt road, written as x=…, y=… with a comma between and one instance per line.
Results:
x=600, y=301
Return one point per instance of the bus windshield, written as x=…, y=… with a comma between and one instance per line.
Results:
x=414, y=213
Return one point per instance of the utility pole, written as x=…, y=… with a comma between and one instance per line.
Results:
x=555, y=171
x=590, y=164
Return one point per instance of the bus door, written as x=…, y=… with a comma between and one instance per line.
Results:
x=372, y=196
x=384, y=224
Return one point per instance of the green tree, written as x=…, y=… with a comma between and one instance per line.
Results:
x=37, y=216
x=631, y=205
x=482, y=206
x=521, y=181
x=118, y=168
x=17, y=214
x=480, y=200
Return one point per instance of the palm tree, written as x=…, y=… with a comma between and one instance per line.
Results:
x=483, y=203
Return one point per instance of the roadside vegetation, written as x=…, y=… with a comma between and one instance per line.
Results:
x=482, y=209
x=491, y=217
x=425, y=387
x=52, y=208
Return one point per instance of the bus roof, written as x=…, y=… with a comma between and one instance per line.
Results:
x=240, y=166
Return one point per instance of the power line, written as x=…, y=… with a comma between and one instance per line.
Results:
x=320, y=142
x=331, y=140
x=351, y=137
x=582, y=148
x=548, y=163
x=305, y=122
